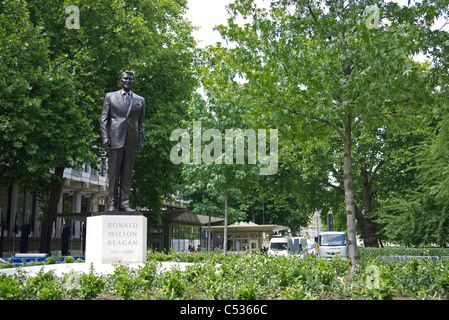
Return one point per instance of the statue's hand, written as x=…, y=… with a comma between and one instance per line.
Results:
x=139, y=147
x=107, y=143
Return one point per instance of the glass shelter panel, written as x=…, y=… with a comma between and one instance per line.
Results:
x=185, y=237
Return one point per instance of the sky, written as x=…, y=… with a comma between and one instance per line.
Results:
x=207, y=14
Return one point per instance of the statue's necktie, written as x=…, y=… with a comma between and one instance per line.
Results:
x=127, y=97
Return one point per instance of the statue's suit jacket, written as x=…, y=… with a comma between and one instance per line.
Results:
x=120, y=122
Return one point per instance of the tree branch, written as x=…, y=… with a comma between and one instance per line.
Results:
x=316, y=20
x=381, y=162
x=328, y=122
x=360, y=119
x=338, y=188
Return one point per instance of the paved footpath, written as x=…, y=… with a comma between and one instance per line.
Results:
x=104, y=269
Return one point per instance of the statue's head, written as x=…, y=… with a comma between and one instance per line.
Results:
x=127, y=80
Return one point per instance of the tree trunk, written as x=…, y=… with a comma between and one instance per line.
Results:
x=225, y=232
x=367, y=225
x=349, y=197
x=368, y=228
x=50, y=210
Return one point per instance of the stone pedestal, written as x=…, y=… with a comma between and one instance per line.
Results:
x=113, y=237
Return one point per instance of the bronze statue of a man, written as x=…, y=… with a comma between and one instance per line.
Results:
x=122, y=127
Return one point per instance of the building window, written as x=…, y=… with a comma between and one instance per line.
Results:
x=85, y=204
x=67, y=206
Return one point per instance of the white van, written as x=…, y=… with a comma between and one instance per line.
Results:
x=332, y=243
x=288, y=245
x=278, y=246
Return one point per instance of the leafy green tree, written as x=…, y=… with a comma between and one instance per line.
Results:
x=149, y=37
x=418, y=214
x=43, y=128
x=210, y=193
x=242, y=186
x=314, y=66
x=211, y=181
x=59, y=76
x=168, y=82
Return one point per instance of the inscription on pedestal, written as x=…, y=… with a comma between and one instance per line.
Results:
x=116, y=238
x=122, y=235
